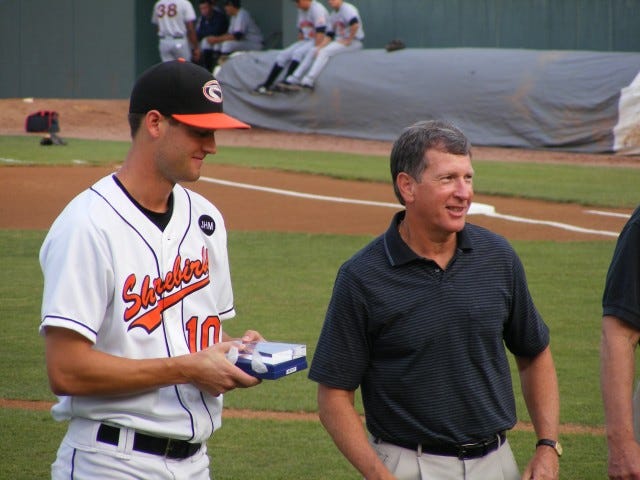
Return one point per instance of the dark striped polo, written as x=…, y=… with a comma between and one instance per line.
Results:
x=425, y=345
x=621, y=296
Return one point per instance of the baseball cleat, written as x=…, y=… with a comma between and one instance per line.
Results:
x=262, y=90
x=286, y=86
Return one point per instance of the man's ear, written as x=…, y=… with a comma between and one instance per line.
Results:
x=406, y=185
x=153, y=121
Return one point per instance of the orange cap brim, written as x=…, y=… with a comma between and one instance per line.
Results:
x=213, y=121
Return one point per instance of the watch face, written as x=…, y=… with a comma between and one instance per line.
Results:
x=558, y=448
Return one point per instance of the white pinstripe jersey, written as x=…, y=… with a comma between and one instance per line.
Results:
x=112, y=276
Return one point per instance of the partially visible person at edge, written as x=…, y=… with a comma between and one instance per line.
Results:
x=311, y=22
x=243, y=33
x=620, y=337
x=420, y=320
x=345, y=34
x=212, y=21
x=136, y=290
x=177, y=38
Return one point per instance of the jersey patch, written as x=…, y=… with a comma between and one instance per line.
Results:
x=207, y=224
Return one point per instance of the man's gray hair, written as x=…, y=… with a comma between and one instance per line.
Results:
x=408, y=152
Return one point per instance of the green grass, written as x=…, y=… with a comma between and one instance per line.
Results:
x=262, y=449
x=26, y=150
x=587, y=185
x=21, y=354
x=282, y=284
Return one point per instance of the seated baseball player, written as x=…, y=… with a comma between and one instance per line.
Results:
x=311, y=22
x=243, y=34
x=345, y=34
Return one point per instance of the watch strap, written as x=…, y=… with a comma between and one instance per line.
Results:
x=550, y=443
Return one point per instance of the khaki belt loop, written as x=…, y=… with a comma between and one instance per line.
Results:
x=419, y=450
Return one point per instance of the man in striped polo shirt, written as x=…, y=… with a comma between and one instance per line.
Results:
x=419, y=320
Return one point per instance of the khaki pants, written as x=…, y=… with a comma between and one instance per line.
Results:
x=407, y=464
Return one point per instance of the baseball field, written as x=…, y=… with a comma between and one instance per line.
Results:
x=296, y=207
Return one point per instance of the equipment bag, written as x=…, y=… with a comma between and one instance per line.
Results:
x=43, y=121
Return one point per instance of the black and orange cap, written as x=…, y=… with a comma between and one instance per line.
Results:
x=184, y=91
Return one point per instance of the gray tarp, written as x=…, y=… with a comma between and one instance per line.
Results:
x=566, y=100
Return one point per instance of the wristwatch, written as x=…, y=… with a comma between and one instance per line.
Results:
x=550, y=443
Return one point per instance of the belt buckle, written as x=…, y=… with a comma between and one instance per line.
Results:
x=465, y=449
x=169, y=448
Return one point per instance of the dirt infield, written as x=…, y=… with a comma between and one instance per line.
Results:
x=30, y=199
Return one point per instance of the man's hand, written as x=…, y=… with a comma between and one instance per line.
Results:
x=544, y=465
x=624, y=460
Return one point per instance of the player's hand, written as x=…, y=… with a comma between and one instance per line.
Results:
x=624, y=461
x=543, y=466
x=252, y=336
x=210, y=371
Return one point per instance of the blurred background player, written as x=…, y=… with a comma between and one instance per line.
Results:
x=345, y=28
x=312, y=22
x=176, y=32
x=212, y=21
x=243, y=33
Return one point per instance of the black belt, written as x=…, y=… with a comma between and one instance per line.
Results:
x=171, y=36
x=463, y=452
x=165, y=447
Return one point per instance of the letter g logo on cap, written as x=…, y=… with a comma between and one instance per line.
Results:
x=213, y=91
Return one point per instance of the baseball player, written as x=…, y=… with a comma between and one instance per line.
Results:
x=345, y=28
x=176, y=32
x=136, y=290
x=312, y=23
x=243, y=33
x=212, y=21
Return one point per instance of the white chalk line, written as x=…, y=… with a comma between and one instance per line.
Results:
x=608, y=214
x=14, y=161
x=475, y=209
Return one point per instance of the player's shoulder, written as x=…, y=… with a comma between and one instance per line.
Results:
x=349, y=9
x=94, y=197
x=318, y=10
x=82, y=213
